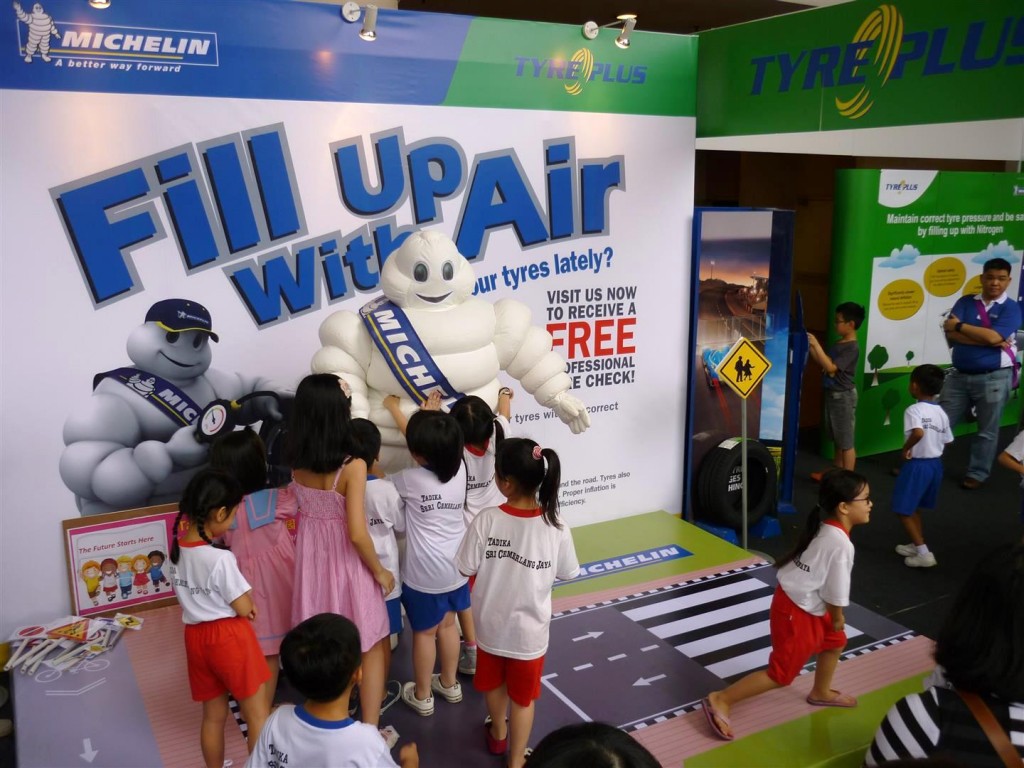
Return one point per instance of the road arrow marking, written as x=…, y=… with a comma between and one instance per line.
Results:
x=588, y=636
x=647, y=680
x=89, y=754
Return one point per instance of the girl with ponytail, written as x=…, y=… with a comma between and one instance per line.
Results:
x=516, y=551
x=221, y=648
x=806, y=615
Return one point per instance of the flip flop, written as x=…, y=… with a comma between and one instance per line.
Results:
x=843, y=700
x=710, y=714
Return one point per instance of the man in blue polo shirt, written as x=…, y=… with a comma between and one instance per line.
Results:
x=981, y=330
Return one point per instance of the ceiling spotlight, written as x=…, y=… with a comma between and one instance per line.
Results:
x=591, y=29
x=99, y=3
x=352, y=11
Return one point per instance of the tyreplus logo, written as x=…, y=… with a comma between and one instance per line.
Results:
x=580, y=70
x=883, y=51
x=98, y=46
x=901, y=186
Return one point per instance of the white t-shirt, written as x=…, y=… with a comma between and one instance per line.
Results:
x=206, y=580
x=1016, y=449
x=929, y=417
x=385, y=516
x=293, y=737
x=821, y=573
x=516, y=557
x=434, y=527
x=481, y=490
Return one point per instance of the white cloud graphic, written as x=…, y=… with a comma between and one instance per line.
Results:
x=900, y=257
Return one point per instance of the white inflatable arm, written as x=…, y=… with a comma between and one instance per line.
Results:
x=346, y=353
x=524, y=352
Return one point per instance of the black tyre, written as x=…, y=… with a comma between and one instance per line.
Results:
x=720, y=489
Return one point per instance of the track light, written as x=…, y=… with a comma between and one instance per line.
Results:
x=591, y=29
x=351, y=11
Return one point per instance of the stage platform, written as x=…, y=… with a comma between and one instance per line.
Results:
x=664, y=613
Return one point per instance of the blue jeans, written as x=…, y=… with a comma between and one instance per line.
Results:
x=988, y=393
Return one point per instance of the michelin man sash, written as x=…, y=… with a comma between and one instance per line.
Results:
x=166, y=397
x=407, y=357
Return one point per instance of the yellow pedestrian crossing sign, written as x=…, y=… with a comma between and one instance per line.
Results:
x=743, y=367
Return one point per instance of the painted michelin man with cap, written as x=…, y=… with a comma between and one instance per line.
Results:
x=134, y=444
x=427, y=334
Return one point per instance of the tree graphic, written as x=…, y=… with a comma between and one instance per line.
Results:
x=910, y=356
x=877, y=357
x=890, y=399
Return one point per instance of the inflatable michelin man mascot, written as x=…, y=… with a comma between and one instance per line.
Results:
x=428, y=333
x=135, y=444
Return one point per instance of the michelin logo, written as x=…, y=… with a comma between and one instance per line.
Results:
x=95, y=46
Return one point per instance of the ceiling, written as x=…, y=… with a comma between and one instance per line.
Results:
x=675, y=16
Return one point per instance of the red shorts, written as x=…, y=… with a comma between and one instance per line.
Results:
x=522, y=678
x=224, y=657
x=796, y=636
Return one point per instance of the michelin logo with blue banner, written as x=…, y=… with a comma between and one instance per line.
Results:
x=101, y=46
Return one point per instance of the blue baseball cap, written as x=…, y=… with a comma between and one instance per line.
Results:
x=181, y=315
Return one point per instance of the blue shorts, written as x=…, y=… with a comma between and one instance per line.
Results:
x=394, y=606
x=917, y=486
x=426, y=610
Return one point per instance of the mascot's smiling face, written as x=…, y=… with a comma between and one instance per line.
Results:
x=427, y=272
x=173, y=355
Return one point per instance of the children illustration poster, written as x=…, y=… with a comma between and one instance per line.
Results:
x=258, y=177
x=119, y=560
x=907, y=245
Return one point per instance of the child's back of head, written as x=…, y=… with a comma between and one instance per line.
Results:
x=320, y=656
x=241, y=454
x=928, y=378
x=476, y=420
x=319, y=425
x=365, y=441
x=534, y=470
x=435, y=438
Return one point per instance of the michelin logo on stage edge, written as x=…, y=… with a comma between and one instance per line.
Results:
x=101, y=46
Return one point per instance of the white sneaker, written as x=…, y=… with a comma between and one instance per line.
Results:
x=452, y=695
x=467, y=661
x=906, y=550
x=921, y=561
x=390, y=736
x=423, y=707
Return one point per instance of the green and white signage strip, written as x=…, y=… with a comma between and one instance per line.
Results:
x=863, y=64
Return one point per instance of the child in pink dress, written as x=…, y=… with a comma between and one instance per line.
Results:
x=261, y=541
x=337, y=569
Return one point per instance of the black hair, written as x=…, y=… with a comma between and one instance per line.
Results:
x=242, y=455
x=206, y=492
x=320, y=656
x=318, y=429
x=837, y=486
x=851, y=312
x=517, y=460
x=436, y=438
x=928, y=379
x=157, y=553
x=594, y=745
x=981, y=643
x=997, y=263
x=477, y=421
x=365, y=440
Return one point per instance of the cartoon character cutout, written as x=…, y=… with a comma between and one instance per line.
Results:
x=140, y=567
x=40, y=27
x=90, y=573
x=156, y=573
x=444, y=338
x=133, y=444
x=108, y=576
x=124, y=576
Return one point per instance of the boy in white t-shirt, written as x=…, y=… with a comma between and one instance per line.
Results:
x=321, y=658
x=927, y=429
x=385, y=517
